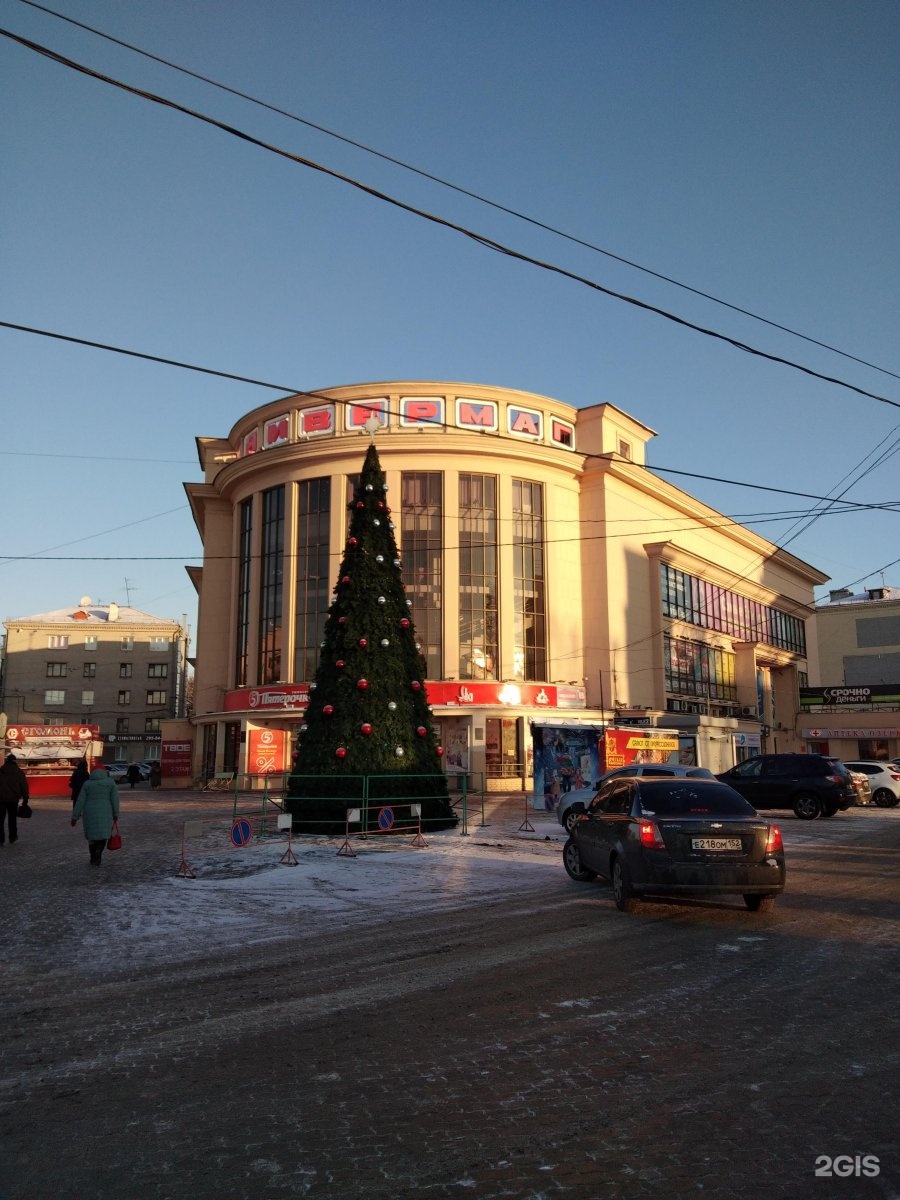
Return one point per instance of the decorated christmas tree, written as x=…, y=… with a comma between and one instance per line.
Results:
x=367, y=739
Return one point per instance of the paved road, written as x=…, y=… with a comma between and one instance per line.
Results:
x=536, y=1046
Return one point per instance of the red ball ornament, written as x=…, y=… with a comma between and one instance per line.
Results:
x=340, y=664
x=328, y=710
x=342, y=620
x=359, y=504
x=362, y=684
x=340, y=752
x=440, y=751
x=363, y=642
x=421, y=731
x=415, y=685
x=346, y=579
x=366, y=729
x=351, y=542
x=404, y=623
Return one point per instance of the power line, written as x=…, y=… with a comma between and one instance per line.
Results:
x=453, y=186
x=290, y=390
x=480, y=239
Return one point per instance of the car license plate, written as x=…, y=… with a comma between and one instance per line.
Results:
x=716, y=844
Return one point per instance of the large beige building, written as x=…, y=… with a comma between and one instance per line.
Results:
x=553, y=578
x=852, y=708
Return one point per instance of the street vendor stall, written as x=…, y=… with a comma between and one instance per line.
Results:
x=48, y=754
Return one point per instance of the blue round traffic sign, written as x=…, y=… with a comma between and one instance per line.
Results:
x=241, y=832
x=385, y=819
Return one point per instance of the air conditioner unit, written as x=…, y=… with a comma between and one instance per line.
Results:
x=746, y=711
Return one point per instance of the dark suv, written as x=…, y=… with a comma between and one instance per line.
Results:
x=811, y=784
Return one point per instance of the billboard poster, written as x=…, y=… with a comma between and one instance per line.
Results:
x=623, y=747
x=456, y=750
x=266, y=751
x=565, y=759
x=176, y=758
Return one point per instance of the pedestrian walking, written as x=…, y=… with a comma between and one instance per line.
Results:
x=133, y=775
x=13, y=788
x=78, y=778
x=98, y=802
x=155, y=775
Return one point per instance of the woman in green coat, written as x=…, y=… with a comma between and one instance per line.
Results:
x=98, y=801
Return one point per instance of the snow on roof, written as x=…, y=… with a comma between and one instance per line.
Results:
x=94, y=614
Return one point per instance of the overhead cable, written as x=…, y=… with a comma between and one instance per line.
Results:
x=481, y=239
x=397, y=162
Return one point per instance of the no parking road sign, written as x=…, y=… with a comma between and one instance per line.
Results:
x=241, y=832
x=385, y=819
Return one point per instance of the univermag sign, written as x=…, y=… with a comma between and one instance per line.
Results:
x=412, y=412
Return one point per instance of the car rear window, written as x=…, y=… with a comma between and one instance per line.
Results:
x=685, y=797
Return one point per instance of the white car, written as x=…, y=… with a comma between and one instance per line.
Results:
x=884, y=780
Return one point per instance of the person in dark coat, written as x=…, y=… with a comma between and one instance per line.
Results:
x=98, y=800
x=155, y=775
x=133, y=774
x=78, y=777
x=13, y=788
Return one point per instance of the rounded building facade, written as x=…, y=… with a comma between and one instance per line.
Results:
x=543, y=562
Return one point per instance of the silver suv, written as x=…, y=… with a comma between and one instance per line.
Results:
x=572, y=805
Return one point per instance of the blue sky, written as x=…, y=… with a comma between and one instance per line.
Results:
x=746, y=150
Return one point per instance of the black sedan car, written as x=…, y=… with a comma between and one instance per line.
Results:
x=676, y=837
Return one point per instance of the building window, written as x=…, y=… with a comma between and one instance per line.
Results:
x=312, y=583
x=478, y=632
x=687, y=598
x=624, y=448
x=124, y=697
x=91, y=643
x=421, y=499
x=125, y=670
x=699, y=671
x=58, y=641
x=90, y=670
x=243, y=596
x=156, y=697
x=56, y=670
x=122, y=724
x=160, y=645
x=52, y=696
x=529, y=593
x=151, y=725
x=127, y=643
x=271, y=575
x=87, y=698
x=158, y=671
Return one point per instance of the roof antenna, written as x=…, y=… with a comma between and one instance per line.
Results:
x=128, y=587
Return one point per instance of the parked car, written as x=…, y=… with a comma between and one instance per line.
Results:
x=861, y=785
x=677, y=837
x=811, y=784
x=573, y=805
x=117, y=770
x=884, y=780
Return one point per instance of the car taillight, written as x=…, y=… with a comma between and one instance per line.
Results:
x=840, y=780
x=651, y=838
x=896, y=778
x=773, y=841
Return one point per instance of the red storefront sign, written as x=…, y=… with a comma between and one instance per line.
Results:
x=280, y=696
x=294, y=697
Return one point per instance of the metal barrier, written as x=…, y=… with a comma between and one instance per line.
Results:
x=241, y=835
